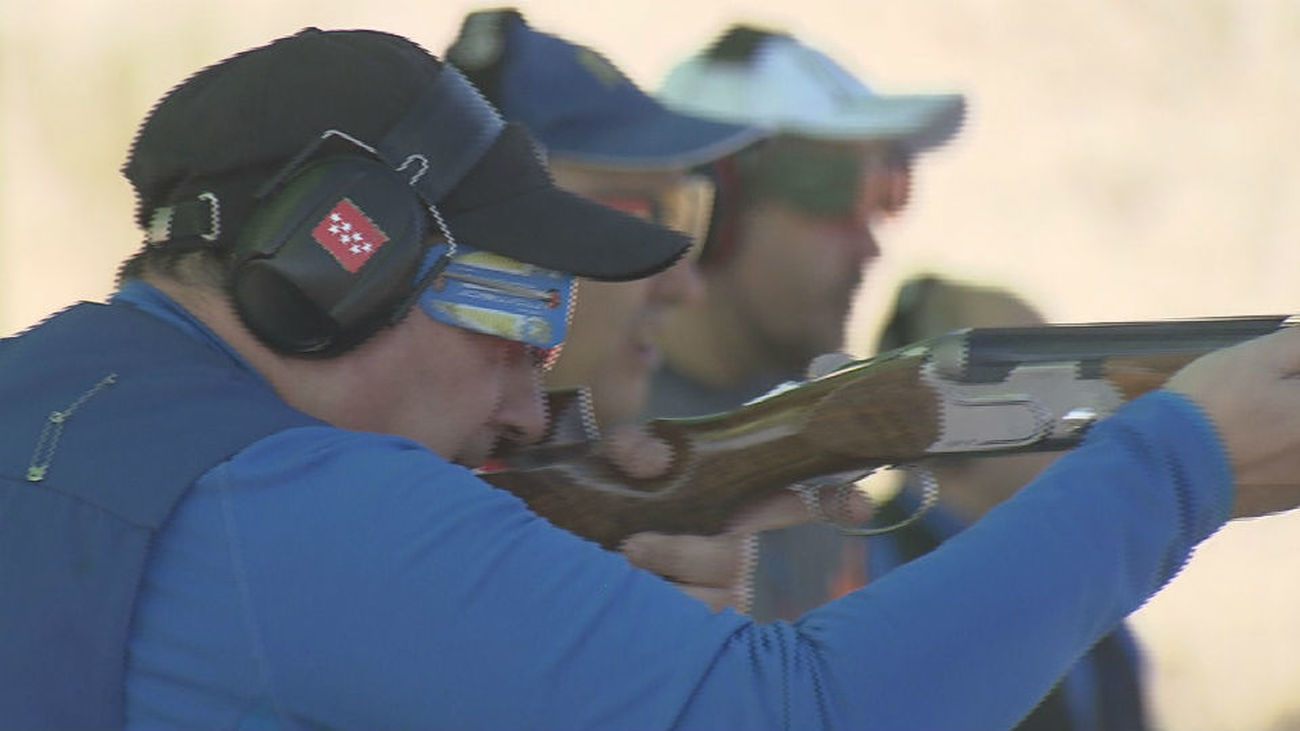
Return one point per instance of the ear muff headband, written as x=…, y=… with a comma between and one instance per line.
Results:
x=463, y=124
x=329, y=254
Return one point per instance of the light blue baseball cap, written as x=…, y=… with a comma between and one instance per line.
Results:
x=771, y=79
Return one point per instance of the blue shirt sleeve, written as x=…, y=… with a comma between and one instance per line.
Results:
x=331, y=578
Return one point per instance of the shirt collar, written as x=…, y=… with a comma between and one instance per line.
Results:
x=148, y=298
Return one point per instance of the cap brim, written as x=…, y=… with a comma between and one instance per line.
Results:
x=920, y=121
x=791, y=88
x=508, y=204
x=558, y=230
x=653, y=137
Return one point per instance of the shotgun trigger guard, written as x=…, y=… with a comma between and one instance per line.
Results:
x=845, y=486
x=929, y=498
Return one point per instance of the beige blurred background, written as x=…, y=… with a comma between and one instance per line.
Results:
x=1124, y=159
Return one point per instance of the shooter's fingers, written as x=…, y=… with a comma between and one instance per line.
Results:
x=717, y=560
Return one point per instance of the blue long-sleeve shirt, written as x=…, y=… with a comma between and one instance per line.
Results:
x=1101, y=691
x=324, y=577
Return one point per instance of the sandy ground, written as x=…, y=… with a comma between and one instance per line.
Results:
x=1123, y=160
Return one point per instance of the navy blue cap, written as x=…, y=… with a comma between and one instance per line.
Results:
x=578, y=104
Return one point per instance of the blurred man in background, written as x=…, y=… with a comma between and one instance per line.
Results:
x=790, y=240
x=607, y=140
x=1103, y=690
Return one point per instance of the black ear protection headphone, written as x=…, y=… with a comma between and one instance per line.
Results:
x=329, y=252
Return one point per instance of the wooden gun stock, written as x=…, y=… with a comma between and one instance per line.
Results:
x=985, y=391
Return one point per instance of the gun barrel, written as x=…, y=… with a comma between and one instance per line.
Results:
x=990, y=353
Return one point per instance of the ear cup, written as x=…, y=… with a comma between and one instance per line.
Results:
x=326, y=257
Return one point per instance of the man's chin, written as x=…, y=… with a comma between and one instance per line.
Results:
x=819, y=341
x=476, y=455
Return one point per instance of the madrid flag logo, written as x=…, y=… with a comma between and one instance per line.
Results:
x=349, y=235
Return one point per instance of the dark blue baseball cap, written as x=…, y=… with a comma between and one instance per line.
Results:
x=578, y=104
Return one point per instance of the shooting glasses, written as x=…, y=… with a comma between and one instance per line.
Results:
x=684, y=205
x=835, y=180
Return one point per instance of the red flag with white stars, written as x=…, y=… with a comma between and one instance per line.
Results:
x=349, y=235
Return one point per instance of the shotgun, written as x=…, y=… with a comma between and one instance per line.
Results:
x=973, y=391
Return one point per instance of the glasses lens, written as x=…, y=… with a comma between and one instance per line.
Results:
x=685, y=205
x=834, y=181
x=817, y=180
